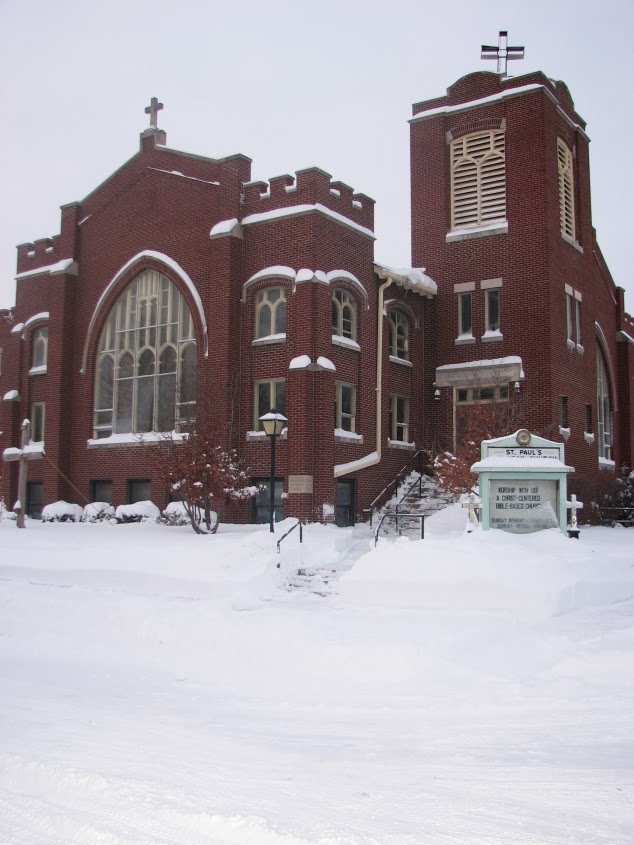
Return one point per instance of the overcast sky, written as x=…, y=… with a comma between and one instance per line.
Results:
x=290, y=83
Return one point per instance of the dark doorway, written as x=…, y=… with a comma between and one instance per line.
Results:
x=34, y=495
x=261, y=513
x=344, y=515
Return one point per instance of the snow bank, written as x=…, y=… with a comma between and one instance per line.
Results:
x=62, y=512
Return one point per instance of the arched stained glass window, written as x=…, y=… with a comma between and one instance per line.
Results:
x=344, y=314
x=145, y=373
x=604, y=410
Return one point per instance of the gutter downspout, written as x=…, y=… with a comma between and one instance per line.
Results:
x=374, y=457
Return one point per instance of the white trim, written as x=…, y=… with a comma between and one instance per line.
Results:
x=305, y=208
x=169, y=262
x=400, y=444
x=488, y=284
x=36, y=318
x=276, y=271
x=566, y=237
x=269, y=340
x=131, y=439
x=464, y=287
x=405, y=362
x=345, y=276
x=39, y=370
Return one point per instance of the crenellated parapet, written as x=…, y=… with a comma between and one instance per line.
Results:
x=309, y=187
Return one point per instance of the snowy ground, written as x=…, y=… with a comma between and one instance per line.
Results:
x=161, y=688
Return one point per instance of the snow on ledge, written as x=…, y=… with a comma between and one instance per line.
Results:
x=276, y=271
x=66, y=265
x=355, y=466
x=19, y=327
x=342, y=434
x=131, y=439
x=348, y=342
x=36, y=318
x=305, y=208
x=226, y=227
x=300, y=363
x=11, y=396
x=345, y=276
x=325, y=364
x=500, y=370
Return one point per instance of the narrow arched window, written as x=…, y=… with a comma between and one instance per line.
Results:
x=270, y=312
x=146, y=360
x=399, y=335
x=40, y=347
x=604, y=409
x=344, y=314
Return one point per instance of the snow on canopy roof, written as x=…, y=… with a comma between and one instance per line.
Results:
x=490, y=362
x=410, y=278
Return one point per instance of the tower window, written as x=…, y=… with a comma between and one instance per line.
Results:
x=478, y=179
x=566, y=189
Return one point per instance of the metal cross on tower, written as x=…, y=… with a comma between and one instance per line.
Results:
x=502, y=53
x=153, y=110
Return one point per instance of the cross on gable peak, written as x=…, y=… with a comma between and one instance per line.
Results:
x=153, y=109
x=502, y=53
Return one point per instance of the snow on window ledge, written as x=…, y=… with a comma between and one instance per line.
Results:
x=269, y=340
x=400, y=444
x=571, y=344
x=565, y=432
x=572, y=242
x=588, y=437
x=262, y=436
x=39, y=370
x=403, y=361
x=348, y=342
x=492, y=335
x=343, y=436
x=149, y=438
x=580, y=349
x=464, y=339
x=500, y=227
x=606, y=463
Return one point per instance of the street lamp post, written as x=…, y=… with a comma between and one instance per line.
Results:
x=273, y=425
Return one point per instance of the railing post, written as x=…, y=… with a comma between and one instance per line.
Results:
x=422, y=526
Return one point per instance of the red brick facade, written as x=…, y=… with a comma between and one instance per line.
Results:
x=220, y=239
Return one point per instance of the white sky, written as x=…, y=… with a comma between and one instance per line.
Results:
x=290, y=83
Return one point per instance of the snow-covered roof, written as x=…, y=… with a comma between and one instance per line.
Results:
x=304, y=362
x=226, y=227
x=410, y=278
x=66, y=265
x=300, y=363
x=355, y=466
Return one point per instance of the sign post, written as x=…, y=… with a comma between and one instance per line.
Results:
x=24, y=455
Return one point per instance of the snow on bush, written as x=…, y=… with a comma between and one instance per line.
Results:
x=62, y=512
x=97, y=512
x=175, y=514
x=138, y=512
x=5, y=513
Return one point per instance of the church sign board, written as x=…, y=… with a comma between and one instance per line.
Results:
x=522, y=483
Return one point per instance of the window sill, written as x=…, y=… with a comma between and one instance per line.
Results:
x=564, y=432
x=404, y=362
x=38, y=371
x=572, y=242
x=501, y=227
x=588, y=437
x=269, y=340
x=400, y=444
x=149, y=438
x=351, y=438
x=571, y=345
x=492, y=336
x=464, y=339
x=606, y=463
x=346, y=342
x=580, y=349
x=262, y=437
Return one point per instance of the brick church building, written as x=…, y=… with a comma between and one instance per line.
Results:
x=179, y=289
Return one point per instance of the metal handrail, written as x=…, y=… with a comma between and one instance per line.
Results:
x=284, y=536
x=419, y=482
x=394, y=483
x=398, y=516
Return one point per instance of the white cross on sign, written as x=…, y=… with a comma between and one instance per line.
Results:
x=153, y=110
x=502, y=53
x=474, y=506
x=23, y=455
x=574, y=506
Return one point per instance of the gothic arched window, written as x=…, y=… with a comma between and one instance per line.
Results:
x=344, y=314
x=604, y=410
x=145, y=373
x=399, y=335
x=270, y=312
